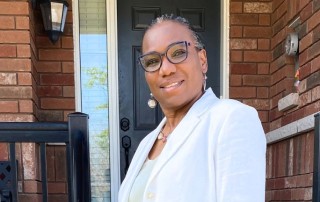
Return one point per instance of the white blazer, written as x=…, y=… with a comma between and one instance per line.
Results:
x=217, y=153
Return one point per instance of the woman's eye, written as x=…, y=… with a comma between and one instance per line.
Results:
x=152, y=62
x=178, y=53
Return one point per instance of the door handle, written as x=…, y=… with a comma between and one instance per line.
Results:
x=126, y=144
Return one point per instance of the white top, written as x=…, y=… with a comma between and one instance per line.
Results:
x=139, y=185
x=217, y=153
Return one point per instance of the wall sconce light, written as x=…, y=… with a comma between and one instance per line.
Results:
x=54, y=13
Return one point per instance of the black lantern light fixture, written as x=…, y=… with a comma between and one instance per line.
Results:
x=54, y=13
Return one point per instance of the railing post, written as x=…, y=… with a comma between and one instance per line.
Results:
x=316, y=164
x=79, y=157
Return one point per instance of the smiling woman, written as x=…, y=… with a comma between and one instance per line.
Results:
x=205, y=149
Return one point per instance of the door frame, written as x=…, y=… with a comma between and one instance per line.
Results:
x=113, y=89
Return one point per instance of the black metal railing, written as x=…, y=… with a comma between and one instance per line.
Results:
x=316, y=163
x=73, y=133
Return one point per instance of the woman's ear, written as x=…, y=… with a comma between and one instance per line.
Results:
x=203, y=60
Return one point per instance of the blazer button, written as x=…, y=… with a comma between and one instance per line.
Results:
x=150, y=195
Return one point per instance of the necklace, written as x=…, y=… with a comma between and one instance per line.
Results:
x=163, y=137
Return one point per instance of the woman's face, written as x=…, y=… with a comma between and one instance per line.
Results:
x=175, y=85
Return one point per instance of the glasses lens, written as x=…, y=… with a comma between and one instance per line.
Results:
x=177, y=52
x=151, y=62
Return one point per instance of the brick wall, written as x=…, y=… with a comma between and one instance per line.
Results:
x=261, y=74
x=250, y=38
x=36, y=84
x=290, y=162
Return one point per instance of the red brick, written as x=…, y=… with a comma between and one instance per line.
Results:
x=309, y=158
x=236, y=31
x=244, y=19
x=8, y=106
x=255, y=7
x=67, y=67
x=57, y=187
x=235, y=7
x=68, y=91
x=236, y=56
x=24, y=51
x=12, y=65
x=57, y=197
x=274, y=100
x=14, y=37
x=306, y=12
x=279, y=11
x=256, y=80
x=282, y=195
x=262, y=92
x=6, y=22
x=280, y=62
x=256, y=56
x=312, y=108
x=235, y=80
x=57, y=103
x=60, y=162
x=57, y=79
x=15, y=92
x=305, y=42
x=243, y=92
x=314, y=50
x=243, y=44
x=25, y=106
x=313, y=21
x=285, y=72
x=275, y=123
x=259, y=104
x=315, y=93
x=48, y=66
x=315, y=64
x=67, y=42
x=258, y=32
x=305, y=98
x=8, y=79
x=14, y=8
x=7, y=51
x=4, y=152
x=30, y=197
x=17, y=118
x=49, y=91
x=243, y=68
x=278, y=38
x=264, y=19
x=24, y=78
x=264, y=116
x=22, y=22
x=301, y=194
x=44, y=42
x=56, y=54
x=31, y=186
x=263, y=68
x=264, y=44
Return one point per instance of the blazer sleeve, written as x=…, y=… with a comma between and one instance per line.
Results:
x=240, y=157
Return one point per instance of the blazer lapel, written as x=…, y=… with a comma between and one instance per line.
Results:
x=182, y=132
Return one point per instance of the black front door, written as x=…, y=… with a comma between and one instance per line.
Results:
x=136, y=118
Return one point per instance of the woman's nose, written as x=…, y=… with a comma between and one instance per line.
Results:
x=167, y=67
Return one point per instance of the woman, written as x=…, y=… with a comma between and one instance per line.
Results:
x=205, y=149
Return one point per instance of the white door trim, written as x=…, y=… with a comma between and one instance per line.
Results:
x=113, y=89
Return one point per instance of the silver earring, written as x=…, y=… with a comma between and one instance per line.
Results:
x=152, y=102
x=205, y=82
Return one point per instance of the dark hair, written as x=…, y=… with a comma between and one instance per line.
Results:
x=180, y=20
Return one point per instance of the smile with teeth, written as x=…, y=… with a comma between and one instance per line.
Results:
x=172, y=84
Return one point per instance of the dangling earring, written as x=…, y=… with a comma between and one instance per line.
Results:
x=204, y=82
x=152, y=103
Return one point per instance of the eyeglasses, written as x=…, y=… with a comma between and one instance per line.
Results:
x=176, y=53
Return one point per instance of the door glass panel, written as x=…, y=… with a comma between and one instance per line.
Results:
x=94, y=92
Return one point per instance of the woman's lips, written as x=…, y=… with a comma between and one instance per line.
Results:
x=172, y=85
